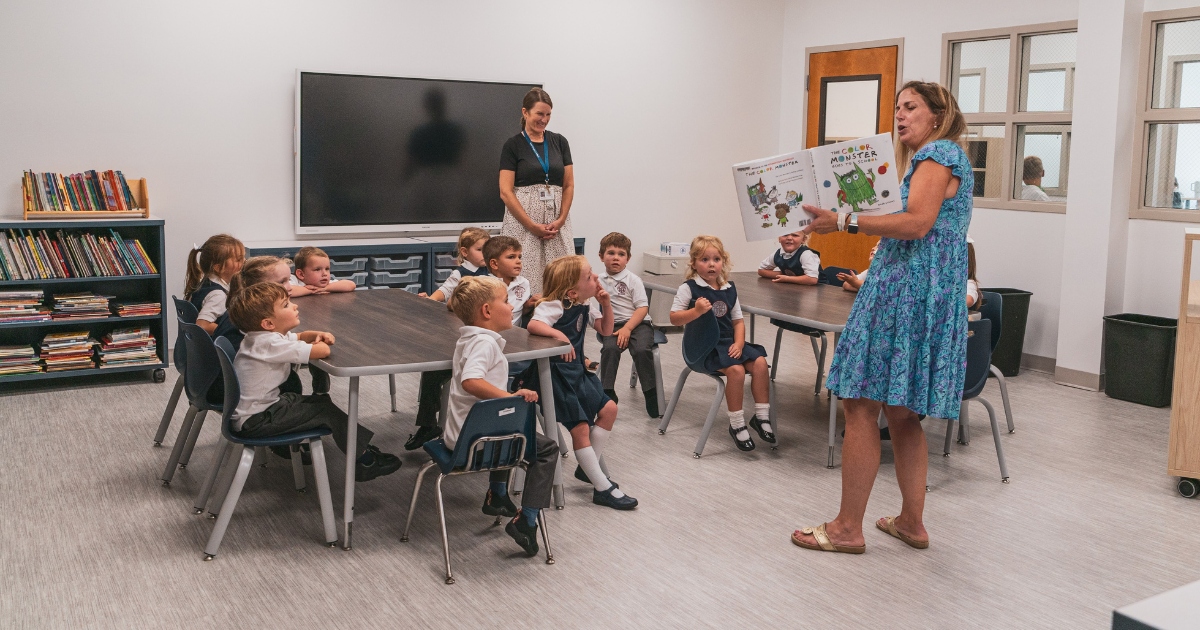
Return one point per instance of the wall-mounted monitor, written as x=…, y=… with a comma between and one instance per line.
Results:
x=392, y=154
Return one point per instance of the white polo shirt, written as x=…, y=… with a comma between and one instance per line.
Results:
x=214, y=303
x=479, y=353
x=262, y=364
x=810, y=262
x=455, y=277
x=518, y=295
x=626, y=294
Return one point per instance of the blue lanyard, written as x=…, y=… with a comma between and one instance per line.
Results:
x=546, y=162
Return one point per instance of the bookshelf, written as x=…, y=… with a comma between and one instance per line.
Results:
x=137, y=187
x=142, y=288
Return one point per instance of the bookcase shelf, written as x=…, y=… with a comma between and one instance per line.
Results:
x=141, y=288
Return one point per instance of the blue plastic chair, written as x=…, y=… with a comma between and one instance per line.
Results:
x=659, y=338
x=185, y=313
x=979, y=359
x=700, y=336
x=313, y=438
x=813, y=335
x=201, y=370
x=498, y=434
x=992, y=310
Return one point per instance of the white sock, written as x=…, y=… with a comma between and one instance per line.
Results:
x=591, y=465
x=598, y=437
x=763, y=411
x=737, y=420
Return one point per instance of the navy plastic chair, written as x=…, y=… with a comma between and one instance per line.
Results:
x=185, y=313
x=312, y=437
x=992, y=310
x=201, y=370
x=498, y=434
x=700, y=336
x=813, y=335
x=979, y=359
x=659, y=338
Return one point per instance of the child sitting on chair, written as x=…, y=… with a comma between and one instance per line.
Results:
x=502, y=258
x=708, y=289
x=312, y=274
x=793, y=262
x=265, y=365
x=632, y=331
x=481, y=373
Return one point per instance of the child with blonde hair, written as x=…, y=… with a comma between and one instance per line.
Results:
x=708, y=289
x=313, y=275
x=212, y=271
x=470, y=261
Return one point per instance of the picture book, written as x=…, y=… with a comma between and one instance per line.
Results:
x=855, y=176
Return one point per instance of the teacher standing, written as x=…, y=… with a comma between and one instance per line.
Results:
x=537, y=185
x=904, y=348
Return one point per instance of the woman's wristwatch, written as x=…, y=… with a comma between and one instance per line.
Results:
x=852, y=226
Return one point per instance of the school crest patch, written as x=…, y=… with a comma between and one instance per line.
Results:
x=519, y=292
x=719, y=308
x=622, y=289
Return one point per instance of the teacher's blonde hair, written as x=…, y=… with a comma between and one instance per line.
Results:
x=948, y=117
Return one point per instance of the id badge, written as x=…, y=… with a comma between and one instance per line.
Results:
x=545, y=194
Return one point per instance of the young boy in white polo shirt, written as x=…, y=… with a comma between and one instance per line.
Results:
x=502, y=258
x=481, y=373
x=631, y=322
x=271, y=403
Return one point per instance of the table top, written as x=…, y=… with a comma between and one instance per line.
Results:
x=393, y=331
x=821, y=306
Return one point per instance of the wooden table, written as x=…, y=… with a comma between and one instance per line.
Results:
x=819, y=306
x=394, y=332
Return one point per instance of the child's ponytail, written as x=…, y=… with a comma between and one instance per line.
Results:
x=217, y=251
x=194, y=274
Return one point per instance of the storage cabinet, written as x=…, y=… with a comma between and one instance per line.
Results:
x=1183, y=459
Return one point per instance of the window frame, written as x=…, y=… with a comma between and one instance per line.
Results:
x=1146, y=115
x=1012, y=117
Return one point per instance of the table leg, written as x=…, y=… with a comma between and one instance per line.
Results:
x=550, y=425
x=351, y=460
x=751, y=327
x=833, y=406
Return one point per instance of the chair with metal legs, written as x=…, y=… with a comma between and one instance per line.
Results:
x=659, y=338
x=992, y=310
x=186, y=313
x=813, y=335
x=246, y=446
x=979, y=358
x=201, y=371
x=498, y=434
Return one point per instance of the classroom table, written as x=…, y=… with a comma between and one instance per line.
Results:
x=393, y=332
x=821, y=306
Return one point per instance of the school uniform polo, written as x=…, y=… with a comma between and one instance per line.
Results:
x=263, y=363
x=215, y=292
x=627, y=293
x=808, y=264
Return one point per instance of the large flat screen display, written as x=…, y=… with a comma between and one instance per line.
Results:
x=397, y=154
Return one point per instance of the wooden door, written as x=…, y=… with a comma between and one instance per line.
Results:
x=842, y=85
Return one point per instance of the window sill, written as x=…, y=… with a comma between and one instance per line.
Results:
x=1023, y=206
x=1166, y=214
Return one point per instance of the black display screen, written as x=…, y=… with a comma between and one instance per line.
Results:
x=395, y=151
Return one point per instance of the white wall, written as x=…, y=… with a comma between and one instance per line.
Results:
x=658, y=99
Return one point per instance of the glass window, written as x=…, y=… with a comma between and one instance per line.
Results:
x=985, y=149
x=1176, y=75
x=1047, y=72
x=1173, y=166
x=1040, y=173
x=984, y=66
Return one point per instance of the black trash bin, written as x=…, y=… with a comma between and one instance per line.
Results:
x=1013, y=317
x=1139, y=358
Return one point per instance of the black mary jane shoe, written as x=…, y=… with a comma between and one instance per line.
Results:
x=764, y=433
x=583, y=476
x=743, y=445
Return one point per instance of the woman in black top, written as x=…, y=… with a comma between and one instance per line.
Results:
x=537, y=184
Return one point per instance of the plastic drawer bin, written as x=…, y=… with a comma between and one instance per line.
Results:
x=380, y=263
x=348, y=265
x=411, y=288
x=441, y=275
x=360, y=278
x=1139, y=358
x=395, y=279
x=445, y=260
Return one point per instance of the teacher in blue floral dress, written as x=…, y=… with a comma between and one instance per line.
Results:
x=904, y=348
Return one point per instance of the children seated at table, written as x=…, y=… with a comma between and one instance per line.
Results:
x=257, y=269
x=470, y=261
x=793, y=262
x=211, y=273
x=853, y=282
x=502, y=259
x=271, y=403
x=580, y=403
x=481, y=373
x=708, y=289
x=312, y=274
x=631, y=325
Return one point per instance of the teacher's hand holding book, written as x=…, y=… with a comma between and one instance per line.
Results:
x=824, y=221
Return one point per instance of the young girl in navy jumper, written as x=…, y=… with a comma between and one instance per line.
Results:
x=708, y=289
x=470, y=261
x=580, y=403
x=212, y=271
x=794, y=261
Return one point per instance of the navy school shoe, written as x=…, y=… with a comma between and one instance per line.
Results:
x=423, y=435
x=612, y=393
x=652, y=402
x=764, y=433
x=525, y=535
x=375, y=463
x=743, y=445
x=500, y=505
x=606, y=498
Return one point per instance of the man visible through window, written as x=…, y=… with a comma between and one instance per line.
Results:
x=1031, y=188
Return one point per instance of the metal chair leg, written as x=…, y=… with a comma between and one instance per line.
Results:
x=964, y=425
x=177, y=450
x=516, y=481
x=445, y=539
x=231, y=499
x=412, y=504
x=317, y=448
x=712, y=416
x=662, y=426
x=1004, y=398
x=297, y=468
x=224, y=480
x=392, y=390
x=188, y=446
x=775, y=355
x=632, y=378
x=771, y=417
x=658, y=381
x=545, y=536
x=821, y=364
x=169, y=412
x=564, y=439
x=202, y=499
x=949, y=436
x=996, y=437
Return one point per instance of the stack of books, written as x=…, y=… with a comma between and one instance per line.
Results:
x=68, y=351
x=89, y=191
x=128, y=346
x=70, y=254
x=18, y=360
x=135, y=309
x=85, y=305
x=22, y=306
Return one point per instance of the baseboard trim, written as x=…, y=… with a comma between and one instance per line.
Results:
x=1037, y=363
x=1078, y=378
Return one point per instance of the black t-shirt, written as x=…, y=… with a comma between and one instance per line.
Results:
x=517, y=156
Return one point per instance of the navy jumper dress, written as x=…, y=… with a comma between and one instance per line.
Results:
x=578, y=394
x=722, y=307
x=201, y=292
